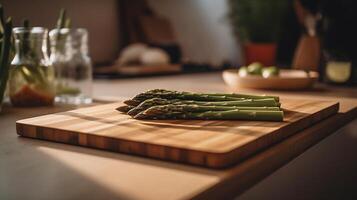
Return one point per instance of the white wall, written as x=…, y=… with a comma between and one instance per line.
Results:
x=201, y=28
x=99, y=17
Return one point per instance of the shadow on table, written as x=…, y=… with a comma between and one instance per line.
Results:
x=29, y=173
x=33, y=174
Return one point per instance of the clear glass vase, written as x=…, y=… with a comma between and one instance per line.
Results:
x=69, y=56
x=31, y=79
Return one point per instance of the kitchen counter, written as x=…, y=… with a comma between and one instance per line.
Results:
x=35, y=169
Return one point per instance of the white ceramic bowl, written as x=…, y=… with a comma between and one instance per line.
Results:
x=287, y=80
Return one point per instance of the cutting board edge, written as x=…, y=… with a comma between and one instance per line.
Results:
x=171, y=153
x=177, y=154
x=237, y=155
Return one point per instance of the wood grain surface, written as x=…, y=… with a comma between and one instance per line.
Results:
x=213, y=144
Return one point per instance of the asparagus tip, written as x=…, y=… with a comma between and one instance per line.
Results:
x=132, y=112
x=132, y=102
x=68, y=23
x=61, y=19
x=140, y=115
x=62, y=12
x=9, y=20
x=123, y=109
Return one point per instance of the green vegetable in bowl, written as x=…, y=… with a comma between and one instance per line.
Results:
x=243, y=71
x=270, y=71
x=255, y=68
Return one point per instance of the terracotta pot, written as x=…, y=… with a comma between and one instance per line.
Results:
x=260, y=52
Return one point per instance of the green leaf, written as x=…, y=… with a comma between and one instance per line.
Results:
x=257, y=20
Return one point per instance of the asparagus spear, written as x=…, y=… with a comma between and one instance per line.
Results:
x=235, y=95
x=68, y=23
x=156, y=113
x=133, y=112
x=31, y=74
x=171, y=108
x=61, y=20
x=167, y=94
x=245, y=102
x=5, y=55
x=2, y=21
x=26, y=43
x=245, y=96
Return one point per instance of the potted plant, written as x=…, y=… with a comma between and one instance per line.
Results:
x=257, y=24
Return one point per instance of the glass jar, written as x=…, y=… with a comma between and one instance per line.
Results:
x=31, y=79
x=69, y=56
x=338, y=68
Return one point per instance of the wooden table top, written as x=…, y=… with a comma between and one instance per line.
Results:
x=34, y=169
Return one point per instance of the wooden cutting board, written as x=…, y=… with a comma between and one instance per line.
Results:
x=213, y=144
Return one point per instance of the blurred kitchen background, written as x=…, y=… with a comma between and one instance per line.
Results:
x=204, y=35
x=196, y=31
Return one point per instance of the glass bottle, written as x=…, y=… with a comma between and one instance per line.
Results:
x=69, y=55
x=338, y=68
x=339, y=64
x=31, y=79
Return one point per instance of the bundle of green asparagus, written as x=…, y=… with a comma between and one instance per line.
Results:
x=166, y=104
